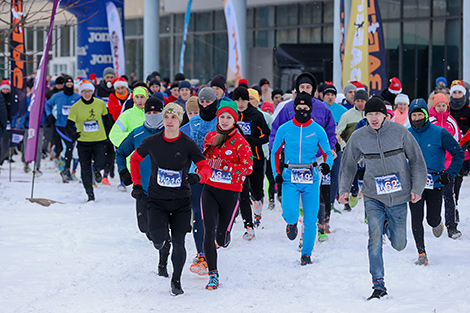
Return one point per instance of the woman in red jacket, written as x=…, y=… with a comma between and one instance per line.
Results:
x=118, y=97
x=231, y=159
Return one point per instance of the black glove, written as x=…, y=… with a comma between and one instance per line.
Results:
x=324, y=168
x=193, y=179
x=138, y=192
x=444, y=179
x=75, y=136
x=279, y=179
x=125, y=177
x=50, y=120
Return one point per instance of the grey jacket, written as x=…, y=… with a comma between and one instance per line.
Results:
x=389, y=150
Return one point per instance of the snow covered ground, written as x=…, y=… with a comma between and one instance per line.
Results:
x=90, y=257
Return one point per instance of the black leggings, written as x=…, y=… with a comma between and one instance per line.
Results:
x=218, y=212
x=253, y=185
x=174, y=214
x=271, y=180
x=433, y=198
x=88, y=152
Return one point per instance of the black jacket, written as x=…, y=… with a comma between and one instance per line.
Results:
x=103, y=91
x=462, y=117
x=255, y=130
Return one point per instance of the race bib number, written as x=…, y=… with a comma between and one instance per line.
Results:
x=66, y=110
x=429, y=182
x=169, y=178
x=301, y=176
x=219, y=176
x=326, y=180
x=388, y=184
x=246, y=127
x=91, y=126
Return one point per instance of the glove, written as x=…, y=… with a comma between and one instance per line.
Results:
x=279, y=179
x=138, y=192
x=50, y=120
x=444, y=179
x=193, y=179
x=324, y=168
x=125, y=177
x=75, y=136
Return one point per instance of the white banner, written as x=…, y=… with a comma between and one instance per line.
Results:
x=116, y=39
x=234, y=70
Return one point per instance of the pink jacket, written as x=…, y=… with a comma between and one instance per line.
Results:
x=445, y=120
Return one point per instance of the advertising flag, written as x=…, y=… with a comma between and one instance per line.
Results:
x=116, y=39
x=39, y=95
x=185, y=35
x=234, y=70
x=377, y=66
x=18, y=58
x=356, y=53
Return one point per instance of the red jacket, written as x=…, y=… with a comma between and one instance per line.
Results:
x=233, y=158
x=115, y=105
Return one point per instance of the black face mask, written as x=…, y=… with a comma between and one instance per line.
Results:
x=303, y=116
x=208, y=113
x=68, y=91
x=418, y=123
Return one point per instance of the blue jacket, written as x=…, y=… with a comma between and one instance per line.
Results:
x=337, y=110
x=63, y=103
x=301, y=144
x=128, y=146
x=198, y=129
x=320, y=114
x=434, y=142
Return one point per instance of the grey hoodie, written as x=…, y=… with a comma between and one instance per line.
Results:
x=389, y=150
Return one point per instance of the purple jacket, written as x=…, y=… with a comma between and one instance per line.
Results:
x=320, y=114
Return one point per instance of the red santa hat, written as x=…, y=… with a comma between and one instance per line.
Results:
x=119, y=82
x=395, y=86
x=5, y=84
x=358, y=85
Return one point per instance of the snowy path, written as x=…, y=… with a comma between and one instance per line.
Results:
x=90, y=257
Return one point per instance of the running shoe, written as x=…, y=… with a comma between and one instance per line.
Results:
x=422, y=259
x=105, y=181
x=213, y=283
x=438, y=230
x=291, y=231
x=305, y=259
x=249, y=233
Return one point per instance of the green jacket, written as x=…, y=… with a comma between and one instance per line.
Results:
x=347, y=124
x=127, y=122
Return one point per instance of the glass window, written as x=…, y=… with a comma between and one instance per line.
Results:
x=438, y=64
x=389, y=8
x=264, y=38
x=310, y=35
x=164, y=56
x=416, y=8
x=264, y=17
x=392, y=50
x=287, y=15
x=165, y=26
x=179, y=23
x=286, y=36
x=249, y=39
x=176, y=54
x=131, y=28
x=454, y=7
x=310, y=13
x=203, y=51
x=65, y=42
x=220, y=54
x=453, y=44
x=40, y=38
x=328, y=11
x=29, y=37
x=250, y=13
x=203, y=21
x=219, y=20
x=328, y=34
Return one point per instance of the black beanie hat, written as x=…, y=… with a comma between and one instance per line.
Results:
x=303, y=98
x=179, y=76
x=362, y=95
x=263, y=81
x=321, y=86
x=154, y=81
x=59, y=80
x=241, y=93
x=153, y=104
x=330, y=89
x=375, y=104
x=276, y=92
x=306, y=78
x=218, y=81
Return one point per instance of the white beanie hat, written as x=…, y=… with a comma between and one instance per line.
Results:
x=86, y=84
x=402, y=98
x=458, y=87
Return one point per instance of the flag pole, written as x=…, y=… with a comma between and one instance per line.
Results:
x=34, y=174
x=9, y=155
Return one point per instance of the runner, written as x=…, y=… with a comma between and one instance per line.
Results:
x=301, y=139
x=395, y=173
x=169, y=196
x=231, y=159
x=434, y=142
